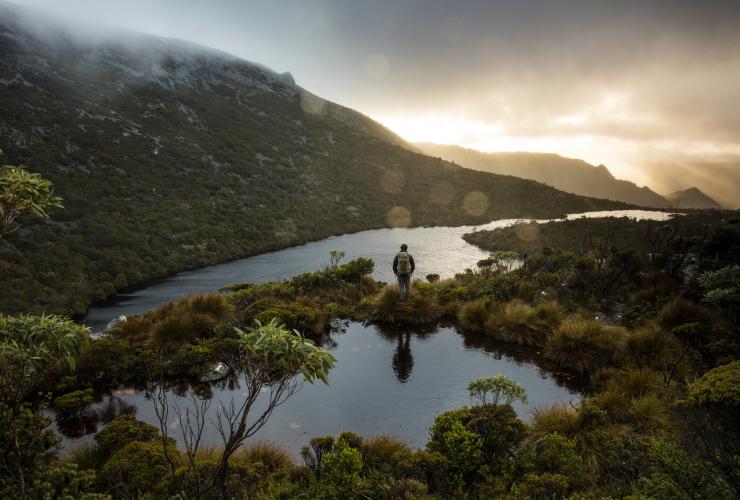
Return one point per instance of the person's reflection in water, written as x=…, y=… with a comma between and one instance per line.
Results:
x=403, y=360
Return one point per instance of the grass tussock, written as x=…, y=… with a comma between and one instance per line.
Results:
x=387, y=307
x=384, y=449
x=584, y=345
x=473, y=315
x=519, y=323
x=86, y=455
x=185, y=320
x=269, y=454
x=558, y=418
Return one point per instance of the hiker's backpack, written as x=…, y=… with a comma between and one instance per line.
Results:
x=404, y=263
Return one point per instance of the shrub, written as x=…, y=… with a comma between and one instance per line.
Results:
x=136, y=469
x=432, y=278
x=672, y=473
x=342, y=467
x=309, y=320
x=585, y=345
x=718, y=387
x=502, y=390
x=497, y=425
x=122, y=431
x=73, y=404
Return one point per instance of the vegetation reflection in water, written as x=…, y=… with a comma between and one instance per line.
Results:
x=386, y=380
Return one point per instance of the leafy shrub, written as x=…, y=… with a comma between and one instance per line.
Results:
x=497, y=426
x=137, y=468
x=585, y=345
x=124, y=430
x=309, y=320
x=72, y=404
x=502, y=390
x=718, y=387
x=672, y=473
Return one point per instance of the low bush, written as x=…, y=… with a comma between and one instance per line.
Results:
x=73, y=404
x=474, y=315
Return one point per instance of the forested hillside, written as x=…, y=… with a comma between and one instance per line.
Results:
x=170, y=156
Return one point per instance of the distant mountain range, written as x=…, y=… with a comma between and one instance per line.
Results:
x=692, y=198
x=567, y=174
x=171, y=156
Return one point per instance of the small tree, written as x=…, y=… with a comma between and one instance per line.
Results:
x=273, y=362
x=23, y=193
x=31, y=347
x=502, y=390
x=498, y=263
x=335, y=257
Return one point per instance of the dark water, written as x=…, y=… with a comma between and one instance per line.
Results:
x=384, y=381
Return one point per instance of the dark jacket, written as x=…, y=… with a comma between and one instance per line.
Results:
x=411, y=261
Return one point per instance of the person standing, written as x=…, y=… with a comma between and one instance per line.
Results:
x=403, y=268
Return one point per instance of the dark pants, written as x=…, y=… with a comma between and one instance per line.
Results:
x=404, y=286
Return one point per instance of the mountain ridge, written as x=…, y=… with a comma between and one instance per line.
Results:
x=693, y=197
x=567, y=174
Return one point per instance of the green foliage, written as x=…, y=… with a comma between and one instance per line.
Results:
x=673, y=473
x=585, y=344
x=31, y=346
x=122, y=431
x=502, y=390
x=718, y=387
x=473, y=315
x=23, y=193
x=136, y=469
x=279, y=352
x=73, y=404
x=342, y=468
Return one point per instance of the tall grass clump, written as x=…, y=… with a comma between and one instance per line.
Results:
x=86, y=455
x=519, y=323
x=269, y=454
x=384, y=450
x=585, y=345
x=474, y=315
x=558, y=418
x=387, y=307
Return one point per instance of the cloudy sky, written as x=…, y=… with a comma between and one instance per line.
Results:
x=649, y=88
